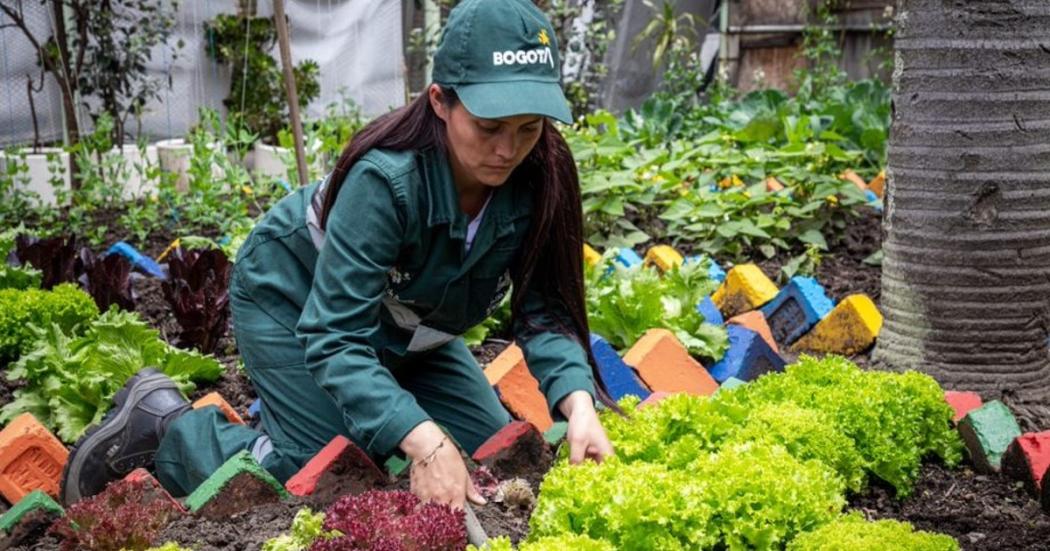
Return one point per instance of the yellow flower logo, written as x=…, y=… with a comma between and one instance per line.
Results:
x=543, y=38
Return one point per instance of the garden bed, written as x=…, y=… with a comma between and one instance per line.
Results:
x=981, y=511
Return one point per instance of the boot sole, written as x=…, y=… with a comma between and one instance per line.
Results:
x=108, y=427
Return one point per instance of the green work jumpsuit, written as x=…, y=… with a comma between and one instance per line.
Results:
x=353, y=331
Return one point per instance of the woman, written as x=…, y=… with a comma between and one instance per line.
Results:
x=349, y=296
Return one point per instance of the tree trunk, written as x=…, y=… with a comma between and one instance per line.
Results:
x=966, y=275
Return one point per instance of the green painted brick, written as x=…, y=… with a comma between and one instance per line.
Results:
x=242, y=463
x=397, y=465
x=987, y=432
x=730, y=383
x=556, y=433
x=33, y=501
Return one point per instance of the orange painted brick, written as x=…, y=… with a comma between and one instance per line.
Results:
x=755, y=320
x=518, y=389
x=878, y=184
x=855, y=179
x=665, y=365
x=31, y=458
x=773, y=185
x=216, y=399
x=653, y=399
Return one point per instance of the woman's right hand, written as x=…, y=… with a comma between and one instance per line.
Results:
x=438, y=472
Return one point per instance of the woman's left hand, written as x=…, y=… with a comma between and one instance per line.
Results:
x=585, y=435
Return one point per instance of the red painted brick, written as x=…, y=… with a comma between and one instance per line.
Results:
x=518, y=389
x=1027, y=459
x=664, y=364
x=216, y=399
x=514, y=446
x=962, y=403
x=154, y=489
x=31, y=458
x=755, y=320
x=505, y=438
x=653, y=399
x=341, y=459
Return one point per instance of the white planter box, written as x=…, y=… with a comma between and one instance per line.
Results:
x=267, y=161
x=270, y=161
x=137, y=184
x=174, y=157
x=47, y=166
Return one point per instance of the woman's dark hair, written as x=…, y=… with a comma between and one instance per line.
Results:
x=552, y=258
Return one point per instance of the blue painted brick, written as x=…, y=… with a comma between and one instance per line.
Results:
x=796, y=309
x=137, y=259
x=628, y=258
x=714, y=271
x=873, y=200
x=748, y=357
x=618, y=376
x=253, y=410
x=710, y=312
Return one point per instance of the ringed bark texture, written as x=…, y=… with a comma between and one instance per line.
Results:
x=966, y=275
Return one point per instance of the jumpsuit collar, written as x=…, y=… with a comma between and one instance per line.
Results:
x=443, y=198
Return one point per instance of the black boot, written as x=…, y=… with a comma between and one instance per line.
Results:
x=127, y=438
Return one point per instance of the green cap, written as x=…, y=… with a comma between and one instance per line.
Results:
x=501, y=58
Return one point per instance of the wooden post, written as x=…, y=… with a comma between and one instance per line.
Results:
x=289, y=86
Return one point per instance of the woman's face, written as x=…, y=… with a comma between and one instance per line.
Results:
x=486, y=151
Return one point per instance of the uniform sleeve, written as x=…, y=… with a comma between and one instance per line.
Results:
x=364, y=235
x=554, y=358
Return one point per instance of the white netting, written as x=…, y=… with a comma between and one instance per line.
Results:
x=357, y=44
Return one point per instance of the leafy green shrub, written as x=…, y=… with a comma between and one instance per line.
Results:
x=170, y=546
x=553, y=543
x=744, y=496
x=624, y=304
x=632, y=505
x=806, y=434
x=762, y=497
x=676, y=431
x=20, y=310
x=853, y=533
x=307, y=527
x=752, y=467
x=243, y=42
x=662, y=164
x=70, y=380
x=894, y=419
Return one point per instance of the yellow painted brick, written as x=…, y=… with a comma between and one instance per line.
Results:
x=850, y=328
x=591, y=257
x=745, y=289
x=663, y=257
x=730, y=181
